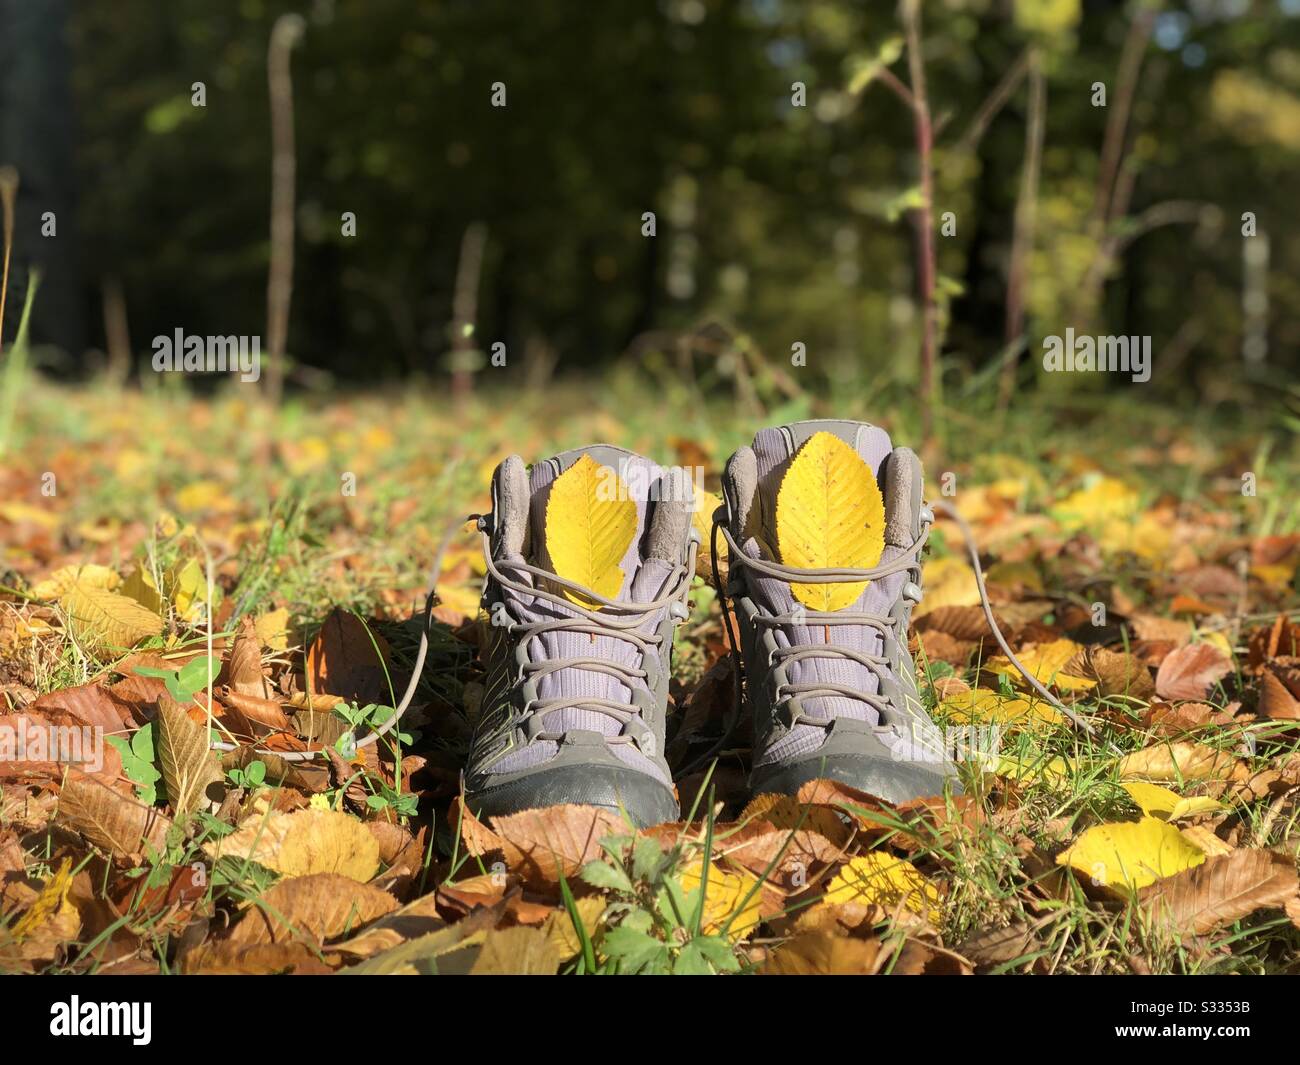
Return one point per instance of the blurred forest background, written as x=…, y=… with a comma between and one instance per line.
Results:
x=775, y=223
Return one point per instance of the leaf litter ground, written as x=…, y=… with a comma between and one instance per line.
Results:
x=1143, y=586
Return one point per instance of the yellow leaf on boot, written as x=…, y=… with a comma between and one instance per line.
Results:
x=590, y=521
x=829, y=515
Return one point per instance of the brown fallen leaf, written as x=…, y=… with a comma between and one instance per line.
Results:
x=863, y=809
x=189, y=766
x=451, y=949
x=824, y=954
x=1277, y=699
x=13, y=859
x=844, y=918
x=1293, y=910
x=392, y=840
x=1281, y=638
x=260, y=711
x=787, y=813
x=1192, y=606
x=486, y=889
x=964, y=623
x=242, y=670
x=110, y=820
x=1191, y=671
x=997, y=946
x=1204, y=838
x=1165, y=719
x=1150, y=627
x=542, y=846
x=311, y=777
x=1116, y=673
x=798, y=855
x=257, y=959
x=34, y=745
x=919, y=958
x=948, y=687
x=347, y=659
x=418, y=918
x=312, y=909
x=1222, y=890
x=90, y=704
x=518, y=951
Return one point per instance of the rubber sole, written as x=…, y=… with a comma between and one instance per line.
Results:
x=646, y=801
x=894, y=781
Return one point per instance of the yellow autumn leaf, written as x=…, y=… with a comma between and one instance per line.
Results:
x=1166, y=805
x=141, y=587
x=273, y=630
x=706, y=503
x=882, y=880
x=32, y=628
x=377, y=438
x=303, y=456
x=829, y=515
x=590, y=522
x=1015, y=573
x=105, y=620
x=982, y=706
x=1046, y=662
x=563, y=933
x=462, y=599
x=199, y=496
x=52, y=898
x=17, y=513
x=1102, y=499
x=187, y=585
x=1150, y=538
x=948, y=582
x=1204, y=839
x=1026, y=770
x=57, y=583
x=1278, y=575
x=724, y=896
x=1131, y=854
x=1180, y=760
x=303, y=843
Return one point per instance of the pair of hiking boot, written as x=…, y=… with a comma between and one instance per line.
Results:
x=575, y=701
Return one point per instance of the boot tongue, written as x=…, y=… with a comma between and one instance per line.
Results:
x=773, y=451
x=643, y=580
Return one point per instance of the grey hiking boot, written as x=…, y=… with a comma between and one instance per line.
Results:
x=833, y=694
x=576, y=694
